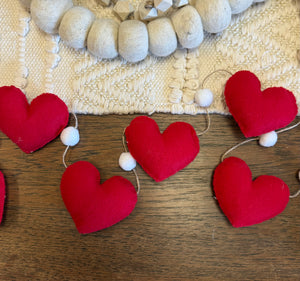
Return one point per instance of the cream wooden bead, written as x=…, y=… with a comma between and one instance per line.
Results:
x=26, y=3
x=133, y=40
x=215, y=14
x=147, y=11
x=180, y=3
x=239, y=6
x=47, y=14
x=124, y=9
x=75, y=26
x=103, y=38
x=162, y=37
x=188, y=27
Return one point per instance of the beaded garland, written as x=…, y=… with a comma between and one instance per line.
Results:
x=158, y=27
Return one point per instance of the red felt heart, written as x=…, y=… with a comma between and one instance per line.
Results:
x=246, y=202
x=161, y=155
x=2, y=195
x=94, y=206
x=31, y=126
x=258, y=112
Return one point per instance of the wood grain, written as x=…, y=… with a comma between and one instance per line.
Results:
x=176, y=232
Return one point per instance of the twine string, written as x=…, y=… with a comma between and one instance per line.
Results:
x=208, y=124
x=133, y=170
x=208, y=119
x=67, y=148
x=212, y=73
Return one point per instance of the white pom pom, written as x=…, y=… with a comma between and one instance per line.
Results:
x=204, y=97
x=70, y=136
x=268, y=139
x=127, y=162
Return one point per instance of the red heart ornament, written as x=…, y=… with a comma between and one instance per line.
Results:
x=2, y=195
x=94, y=206
x=246, y=202
x=258, y=112
x=161, y=155
x=31, y=126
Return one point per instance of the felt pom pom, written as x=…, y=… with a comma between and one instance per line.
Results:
x=70, y=136
x=127, y=162
x=31, y=126
x=246, y=202
x=94, y=206
x=204, y=97
x=268, y=139
x=2, y=195
x=161, y=154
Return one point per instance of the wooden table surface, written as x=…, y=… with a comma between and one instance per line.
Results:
x=176, y=232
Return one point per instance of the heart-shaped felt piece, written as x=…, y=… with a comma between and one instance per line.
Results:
x=161, y=154
x=2, y=195
x=94, y=206
x=258, y=112
x=246, y=202
x=31, y=126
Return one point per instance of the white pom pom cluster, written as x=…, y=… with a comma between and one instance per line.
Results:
x=133, y=39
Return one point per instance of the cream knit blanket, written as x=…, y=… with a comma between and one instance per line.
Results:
x=264, y=40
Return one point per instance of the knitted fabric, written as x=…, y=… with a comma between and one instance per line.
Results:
x=264, y=40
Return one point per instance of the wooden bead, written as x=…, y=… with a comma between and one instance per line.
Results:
x=215, y=14
x=162, y=37
x=47, y=14
x=123, y=8
x=163, y=5
x=75, y=26
x=180, y=3
x=239, y=6
x=103, y=38
x=147, y=10
x=188, y=27
x=133, y=40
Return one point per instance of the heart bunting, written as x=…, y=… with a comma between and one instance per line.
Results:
x=258, y=112
x=94, y=206
x=246, y=202
x=31, y=126
x=161, y=154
